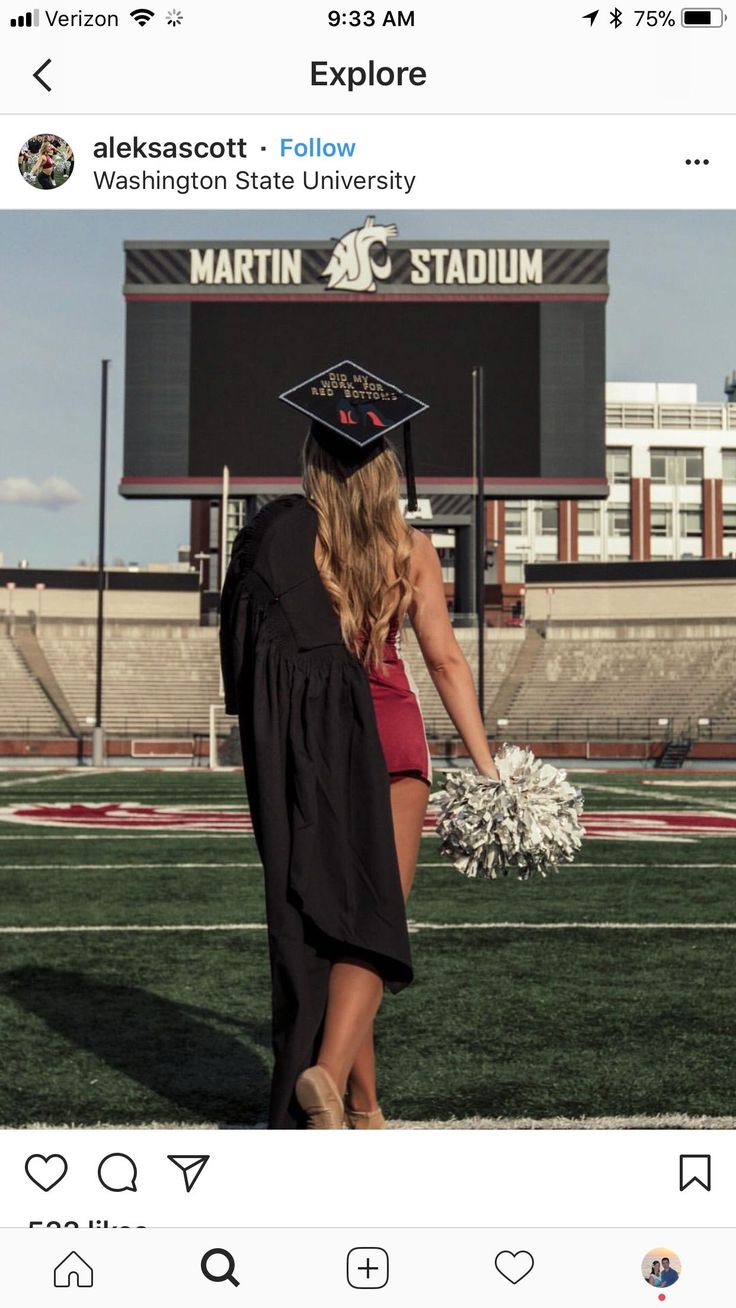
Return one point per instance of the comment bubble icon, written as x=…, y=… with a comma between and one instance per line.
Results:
x=118, y=1172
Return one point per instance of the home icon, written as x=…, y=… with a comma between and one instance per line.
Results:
x=73, y=1270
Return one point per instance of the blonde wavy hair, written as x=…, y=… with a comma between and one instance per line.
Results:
x=366, y=543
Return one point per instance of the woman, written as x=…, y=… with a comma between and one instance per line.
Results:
x=335, y=757
x=654, y=1277
x=43, y=169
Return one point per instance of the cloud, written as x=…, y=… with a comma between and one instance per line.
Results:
x=53, y=493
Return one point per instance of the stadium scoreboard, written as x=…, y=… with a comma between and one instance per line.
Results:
x=215, y=332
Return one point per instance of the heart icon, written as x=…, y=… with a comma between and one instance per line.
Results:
x=46, y=1172
x=514, y=1266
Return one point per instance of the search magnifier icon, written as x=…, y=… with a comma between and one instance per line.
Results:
x=219, y=1272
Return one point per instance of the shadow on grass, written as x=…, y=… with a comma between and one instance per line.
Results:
x=171, y=1049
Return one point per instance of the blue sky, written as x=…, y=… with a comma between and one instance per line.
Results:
x=671, y=317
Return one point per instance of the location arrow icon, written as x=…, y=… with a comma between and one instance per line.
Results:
x=591, y=16
x=191, y=1166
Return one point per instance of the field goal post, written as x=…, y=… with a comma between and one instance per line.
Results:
x=213, y=763
x=218, y=710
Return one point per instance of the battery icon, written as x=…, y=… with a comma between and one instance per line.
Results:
x=702, y=18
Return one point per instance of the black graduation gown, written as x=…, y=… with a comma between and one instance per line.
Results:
x=317, y=783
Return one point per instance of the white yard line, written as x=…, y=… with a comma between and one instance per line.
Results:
x=572, y=926
x=445, y=864
x=659, y=794
x=110, y=833
x=414, y=927
x=137, y=930
x=705, y=785
x=113, y=867
x=51, y=775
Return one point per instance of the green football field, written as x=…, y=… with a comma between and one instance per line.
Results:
x=134, y=982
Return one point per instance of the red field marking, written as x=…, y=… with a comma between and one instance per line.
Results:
x=627, y=824
x=643, y=824
x=128, y=817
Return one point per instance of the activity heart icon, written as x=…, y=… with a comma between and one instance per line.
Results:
x=46, y=1172
x=514, y=1266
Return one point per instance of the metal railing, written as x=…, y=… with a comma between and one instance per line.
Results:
x=552, y=726
x=590, y=727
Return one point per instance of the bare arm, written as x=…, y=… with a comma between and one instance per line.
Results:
x=446, y=663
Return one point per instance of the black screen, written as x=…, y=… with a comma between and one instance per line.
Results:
x=244, y=355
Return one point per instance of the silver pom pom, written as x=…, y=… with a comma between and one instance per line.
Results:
x=528, y=821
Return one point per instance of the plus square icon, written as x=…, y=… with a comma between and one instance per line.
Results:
x=367, y=1269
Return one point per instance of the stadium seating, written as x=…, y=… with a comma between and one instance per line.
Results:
x=24, y=709
x=158, y=678
x=617, y=681
x=501, y=649
x=581, y=681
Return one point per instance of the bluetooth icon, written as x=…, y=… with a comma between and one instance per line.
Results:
x=616, y=17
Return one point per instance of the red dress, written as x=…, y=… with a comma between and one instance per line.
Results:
x=398, y=714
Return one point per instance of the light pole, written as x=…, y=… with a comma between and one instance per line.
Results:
x=11, y=614
x=40, y=588
x=201, y=558
x=98, y=741
x=550, y=593
x=480, y=528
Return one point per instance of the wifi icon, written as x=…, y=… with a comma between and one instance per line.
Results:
x=141, y=16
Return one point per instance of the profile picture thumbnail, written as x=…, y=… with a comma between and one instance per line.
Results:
x=661, y=1268
x=46, y=161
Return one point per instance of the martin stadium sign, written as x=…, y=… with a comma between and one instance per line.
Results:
x=217, y=330
x=370, y=260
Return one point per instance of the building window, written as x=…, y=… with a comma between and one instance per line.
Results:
x=729, y=467
x=546, y=520
x=589, y=518
x=661, y=522
x=677, y=467
x=516, y=520
x=691, y=522
x=619, y=521
x=693, y=467
x=618, y=465
x=729, y=523
x=514, y=568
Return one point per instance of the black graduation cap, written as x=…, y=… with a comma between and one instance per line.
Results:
x=352, y=410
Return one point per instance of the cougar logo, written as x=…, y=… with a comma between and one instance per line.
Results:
x=352, y=265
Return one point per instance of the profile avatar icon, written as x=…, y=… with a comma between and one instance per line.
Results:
x=46, y=161
x=661, y=1268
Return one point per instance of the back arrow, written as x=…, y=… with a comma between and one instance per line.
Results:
x=592, y=16
x=38, y=78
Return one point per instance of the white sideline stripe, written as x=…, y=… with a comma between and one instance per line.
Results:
x=414, y=927
x=678, y=1120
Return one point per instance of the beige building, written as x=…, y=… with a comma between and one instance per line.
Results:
x=671, y=467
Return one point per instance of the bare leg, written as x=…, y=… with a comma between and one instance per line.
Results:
x=409, y=799
x=353, y=999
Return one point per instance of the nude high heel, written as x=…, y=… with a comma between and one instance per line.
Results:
x=360, y=1121
x=318, y=1095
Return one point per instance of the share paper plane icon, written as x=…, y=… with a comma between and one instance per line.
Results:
x=191, y=1165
